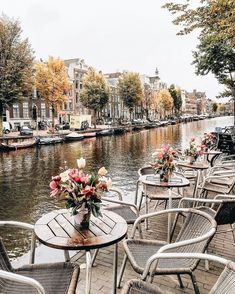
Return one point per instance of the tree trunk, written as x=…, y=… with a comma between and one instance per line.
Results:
x=1, y=124
x=94, y=119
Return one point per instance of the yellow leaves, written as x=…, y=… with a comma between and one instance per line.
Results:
x=52, y=81
x=163, y=99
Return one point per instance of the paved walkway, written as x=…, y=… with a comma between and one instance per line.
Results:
x=221, y=245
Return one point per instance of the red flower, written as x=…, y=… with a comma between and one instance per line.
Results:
x=88, y=191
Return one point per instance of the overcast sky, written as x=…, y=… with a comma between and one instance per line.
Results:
x=111, y=35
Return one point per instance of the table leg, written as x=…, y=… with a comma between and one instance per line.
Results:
x=196, y=184
x=88, y=272
x=66, y=255
x=146, y=206
x=115, y=257
x=169, y=216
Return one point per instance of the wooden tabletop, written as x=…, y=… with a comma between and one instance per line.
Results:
x=56, y=229
x=175, y=181
x=200, y=165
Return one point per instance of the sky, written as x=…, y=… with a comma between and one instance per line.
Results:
x=112, y=35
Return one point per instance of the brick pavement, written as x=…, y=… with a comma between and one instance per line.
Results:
x=102, y=271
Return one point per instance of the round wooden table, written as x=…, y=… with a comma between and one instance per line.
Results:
x=57, y=230
x=175, y=181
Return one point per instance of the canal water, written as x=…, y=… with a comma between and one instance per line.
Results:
x=25, y=174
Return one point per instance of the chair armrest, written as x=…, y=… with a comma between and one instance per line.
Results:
x=122, y=203
x=224, y=196
x=118, y=191
x=22, y=279
x=200, y=200
x=17, y=224
x=25, y=226
x=218, y=177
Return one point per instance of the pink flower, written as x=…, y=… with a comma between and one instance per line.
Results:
x=56, y=178
x=54, y=185
x=160, y=156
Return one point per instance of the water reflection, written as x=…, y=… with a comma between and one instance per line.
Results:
x=25, y=174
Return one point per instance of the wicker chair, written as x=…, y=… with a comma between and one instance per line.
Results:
x=221, y=208
x=194, y=236
x=219, y=184
x=224, y=284
x=152, y=192
x=53, y=278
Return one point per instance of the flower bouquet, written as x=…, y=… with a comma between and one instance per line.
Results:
x=81, y=192
x=194, y=151
x=208, y=140
x=164, y=162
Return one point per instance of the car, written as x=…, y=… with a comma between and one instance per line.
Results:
x=65, y=126
x=26, y=131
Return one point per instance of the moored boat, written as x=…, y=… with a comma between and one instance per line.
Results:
x=107, y=132
x=73, y=136
x=89, y=134
x=49, y=140
x=17, y=145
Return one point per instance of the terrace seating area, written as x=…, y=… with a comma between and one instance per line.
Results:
x=185, y=220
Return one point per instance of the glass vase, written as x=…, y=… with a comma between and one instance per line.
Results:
x=82, y=218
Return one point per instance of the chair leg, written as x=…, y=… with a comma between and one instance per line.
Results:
x=94, y=257
x=233, y=233
x=194, y=282
x=180, y=281
x=140, y=231
x=121, y=271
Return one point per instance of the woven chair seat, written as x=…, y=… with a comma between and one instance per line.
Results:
x=226, y=182
x=226, y=281
x=140, y=287
x=124, y=211
x=55, y=278
x=59, y=278
x=216, y=188
x=138, y=251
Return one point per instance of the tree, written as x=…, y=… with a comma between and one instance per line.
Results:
x=215, y=53
x=215, y=18
x=16, y=65
x=130, y=90
x=217, y=57
x=221, y=108
x=52, y=83
x=163, y=102
x=176, y=96
x=214, y=107
x=95, y=93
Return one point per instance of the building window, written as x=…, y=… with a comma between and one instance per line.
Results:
x=77, y=97
x=25, y=110
x=16, y=113
x=43, y=111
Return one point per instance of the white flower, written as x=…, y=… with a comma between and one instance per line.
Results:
x=65, y=176
x=81, y=162
x=109, y=183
